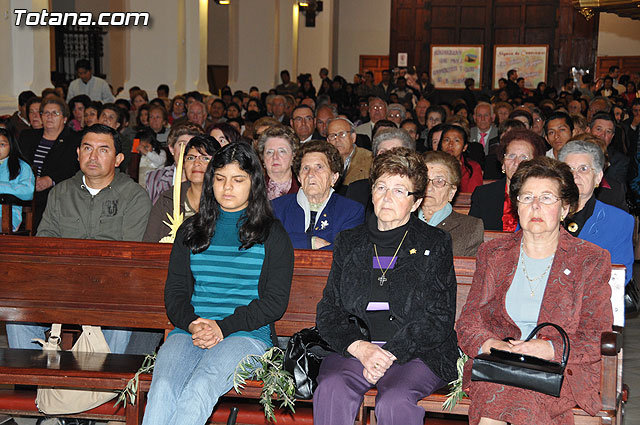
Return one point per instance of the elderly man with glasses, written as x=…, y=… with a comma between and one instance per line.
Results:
x=357, y=161
x=377, y=112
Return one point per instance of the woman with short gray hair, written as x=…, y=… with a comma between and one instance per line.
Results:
x=594, y=221
x=467, y=232
x=395, y=134
x=396, y=113
x=584, y=147
x=277, y=146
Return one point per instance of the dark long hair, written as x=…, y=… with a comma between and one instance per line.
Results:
x=255, y=222
x=203, y=143
x=13, y=161
x=465, y=140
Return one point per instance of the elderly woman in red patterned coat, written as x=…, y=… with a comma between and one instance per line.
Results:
x=539, y=274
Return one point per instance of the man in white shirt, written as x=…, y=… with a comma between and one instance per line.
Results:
x=304, y=123
x=324, y=114
x=96, y=88
x=558, y=129
x=377, y=112
x=484, y=116
x=278, y=105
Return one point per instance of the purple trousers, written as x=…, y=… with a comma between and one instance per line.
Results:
x=341, y=389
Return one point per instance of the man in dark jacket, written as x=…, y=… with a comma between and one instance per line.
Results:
x=20, y=118
x=512, y=86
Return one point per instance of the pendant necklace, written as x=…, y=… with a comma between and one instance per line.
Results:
x=382, y=279
x=530, y=280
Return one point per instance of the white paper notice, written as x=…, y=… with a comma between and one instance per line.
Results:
x=617, y=296
x=402, y=59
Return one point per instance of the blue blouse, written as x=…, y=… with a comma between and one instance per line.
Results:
x=21, y=187
x=612, y=229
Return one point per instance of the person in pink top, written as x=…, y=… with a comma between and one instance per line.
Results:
x=455, y=141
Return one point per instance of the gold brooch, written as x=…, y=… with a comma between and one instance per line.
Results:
x=573, y=227
x=412, y=251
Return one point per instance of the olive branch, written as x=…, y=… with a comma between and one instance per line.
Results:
x=277, y=383
x=456, y=392
x=132, y=386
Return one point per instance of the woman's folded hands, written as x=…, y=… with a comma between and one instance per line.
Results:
x=376, y=360
x=536, y=347
x=205, y=333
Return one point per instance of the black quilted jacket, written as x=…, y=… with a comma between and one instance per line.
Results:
x=422, y=300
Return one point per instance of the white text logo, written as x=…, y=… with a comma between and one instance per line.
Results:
x=45, y=18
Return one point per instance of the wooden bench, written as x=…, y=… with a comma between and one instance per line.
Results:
x=121, y=284
x=462, y=202
x=69, y=281
x=8, y=201
x=118, y=284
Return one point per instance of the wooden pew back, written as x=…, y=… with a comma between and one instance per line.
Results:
x=83, y=282
x=462, y=202
x=110, y=283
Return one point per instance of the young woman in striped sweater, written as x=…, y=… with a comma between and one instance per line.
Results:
x=228, y=282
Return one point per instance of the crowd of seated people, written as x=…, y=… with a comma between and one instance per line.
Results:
x=360, y=167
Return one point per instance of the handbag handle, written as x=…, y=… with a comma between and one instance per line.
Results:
x=566, y=347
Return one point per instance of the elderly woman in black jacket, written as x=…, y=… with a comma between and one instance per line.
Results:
x=389, y=306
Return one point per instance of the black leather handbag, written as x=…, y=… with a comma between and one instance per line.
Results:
x=302, y=358
x=518, y=370
x=631, y=299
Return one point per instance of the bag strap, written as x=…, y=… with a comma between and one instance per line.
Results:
x=566, y=346
x=54, y=334
x=56, y=330
x=53, y=342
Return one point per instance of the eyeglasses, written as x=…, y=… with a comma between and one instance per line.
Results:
x=395, y=115
x=438, y=182
x=545, y=198
x=205, y=159
x=377, y=107
x=341, y=134
x=299, y=120
x=281, y=152
x=513, y=156
x=398, y=191
x=51, y=113
x=582, y=169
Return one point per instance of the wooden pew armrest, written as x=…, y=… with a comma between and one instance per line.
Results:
x=610, y=343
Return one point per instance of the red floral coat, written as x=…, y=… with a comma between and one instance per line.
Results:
x=577, y=297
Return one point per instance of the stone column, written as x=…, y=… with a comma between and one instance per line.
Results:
x=254, y=47
x=27, y=54
x=171, y=50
